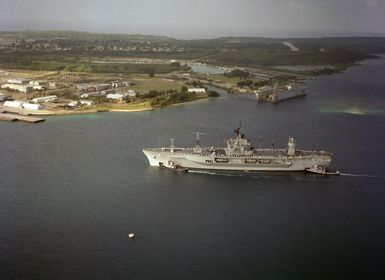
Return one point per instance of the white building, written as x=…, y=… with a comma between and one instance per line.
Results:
x=117, y=84
x=38, y=87
x=21, y=88
x=88, y=94
x=45, y=99
x=15, y=81
x=197, y=90
x=115, y=96
x=34, y=83
x=86, y=102
x=131, y=93
x=13, y=104
x=30, y=106
x=73, y=104
x=92, y=94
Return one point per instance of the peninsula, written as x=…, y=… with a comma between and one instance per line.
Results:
x=66, y=72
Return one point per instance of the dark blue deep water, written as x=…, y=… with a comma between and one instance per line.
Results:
x=73, y=187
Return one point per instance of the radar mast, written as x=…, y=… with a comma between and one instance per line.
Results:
x=197, y=148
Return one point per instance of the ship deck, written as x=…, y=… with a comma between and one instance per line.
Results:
x=260, y=153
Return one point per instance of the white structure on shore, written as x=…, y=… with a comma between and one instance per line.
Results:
x=197, y=90
x=22, y=105
x=13, y=104
x=117, y=84
x=30, y=106
x=86, y=102
x=115, y=96
x=45, y=99
x=131, y=93
x=73, y=104
x=16, y=81
x=18, y=87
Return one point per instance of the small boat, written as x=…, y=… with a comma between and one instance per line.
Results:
x=172, y=165
x=321, y=170
x=131, y=235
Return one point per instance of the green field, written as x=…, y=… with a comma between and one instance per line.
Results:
x=55, y=62
x=157, y=84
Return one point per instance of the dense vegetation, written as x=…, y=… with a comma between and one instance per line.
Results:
x=165, y=98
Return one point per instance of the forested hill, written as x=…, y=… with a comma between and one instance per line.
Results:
x=232, y=51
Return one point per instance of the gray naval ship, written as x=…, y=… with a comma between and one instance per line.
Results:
x=238, y=155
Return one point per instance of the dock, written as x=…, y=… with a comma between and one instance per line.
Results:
x=14, y=117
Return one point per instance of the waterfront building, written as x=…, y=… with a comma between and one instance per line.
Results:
x=73, y=104
x=115, y=96
x=18, y=87
x=31, y=106
x=86, y=102
x=45, y=99
x=13, y=104
x=16, y=81
x=196, y=90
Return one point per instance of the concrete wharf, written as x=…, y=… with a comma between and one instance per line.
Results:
x=14, y=117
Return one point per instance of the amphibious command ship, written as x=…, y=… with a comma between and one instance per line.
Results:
x=238, y=155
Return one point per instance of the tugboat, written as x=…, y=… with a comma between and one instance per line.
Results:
x=321, y=170
x=172, y=165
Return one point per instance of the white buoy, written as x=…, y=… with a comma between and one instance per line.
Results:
x=131, y=235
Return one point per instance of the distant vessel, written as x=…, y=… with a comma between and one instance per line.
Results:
x=277, y=94
x=238, y=155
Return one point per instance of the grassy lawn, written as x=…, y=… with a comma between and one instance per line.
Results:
x=155, y=83
x=124, y=106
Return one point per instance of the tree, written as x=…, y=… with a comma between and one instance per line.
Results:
x=212, y=94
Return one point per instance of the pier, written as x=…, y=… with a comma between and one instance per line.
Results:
x=14, y=117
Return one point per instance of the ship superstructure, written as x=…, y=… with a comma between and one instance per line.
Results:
x=239, y=155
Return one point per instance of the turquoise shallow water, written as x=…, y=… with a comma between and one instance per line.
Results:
x=73, y=187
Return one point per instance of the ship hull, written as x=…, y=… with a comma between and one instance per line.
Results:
x=188, y=160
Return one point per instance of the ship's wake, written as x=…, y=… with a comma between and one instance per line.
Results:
x=260, y=175
x=360, y=175
x=214, y=173
x=253, y=175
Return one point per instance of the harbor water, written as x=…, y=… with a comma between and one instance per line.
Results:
x=73, y=188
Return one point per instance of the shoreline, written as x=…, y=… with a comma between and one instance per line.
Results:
x=102, y=109
x=93, y=111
